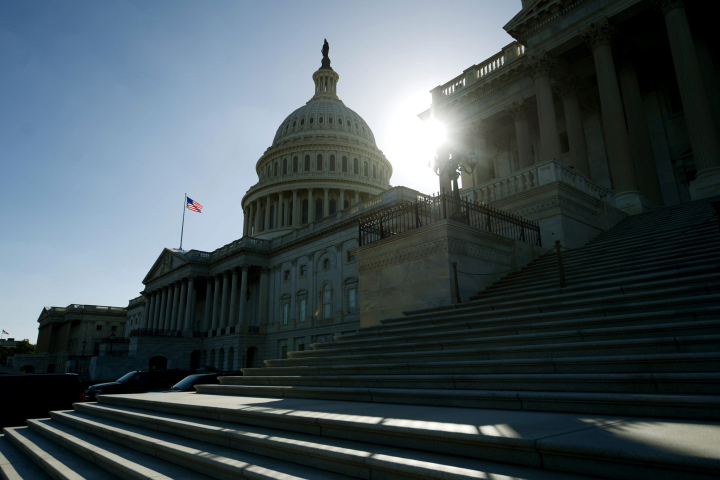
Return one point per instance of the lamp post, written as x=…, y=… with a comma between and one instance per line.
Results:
x=453, y=164
x=84, y=344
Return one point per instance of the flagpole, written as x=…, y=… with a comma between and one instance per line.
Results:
x=182, y=229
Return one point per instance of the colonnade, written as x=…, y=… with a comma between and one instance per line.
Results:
x=172, y=307
x=286, y=207
x=627, y=136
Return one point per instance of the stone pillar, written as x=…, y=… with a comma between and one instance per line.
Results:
x=183, y=303
x=225, y=305
x=698, y=113
x=519, y=112
x=175, y=305
x=710, y=81
x=149, y=303
x=539, y=66
x=311, y=206
x=216, y=304
x=207, y=318
x=156, y=311
x=257, y=216
x=267, y=213
x=640, y=143
x=569, y=88
x=187, y=326
x=342, y=200
x=326, y=202
x=295, y=217
x=246, y=211
x=282, y=212
x=264, y=273
x=243, y=294
x=167, y=309
x=233, y=298
x=627, y=194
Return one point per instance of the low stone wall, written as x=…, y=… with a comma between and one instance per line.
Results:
x=413, y=270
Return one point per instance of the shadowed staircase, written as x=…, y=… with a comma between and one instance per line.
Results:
x=615, y=375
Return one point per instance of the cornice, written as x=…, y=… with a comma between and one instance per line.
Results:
x=292, y=184
x=539, y=15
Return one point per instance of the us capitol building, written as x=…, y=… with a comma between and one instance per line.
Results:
x=598, y=110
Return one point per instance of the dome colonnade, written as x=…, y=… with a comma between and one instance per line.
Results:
x=323, y=159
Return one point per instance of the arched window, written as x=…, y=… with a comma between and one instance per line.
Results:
x=318, y=209
x=194, y=359
x=290, y=212
x=312, y=119
x=275, y=174
x=344, y=164
x=339, y=121
x=330, y=120
x=320, y=120
x=351, y=302
x=211, y=358
x=347, y=204
x=355, y=166
x=302, y=121
x=365, y=169
x=221, y=360
x=333, y=206
x=305, y=211
x=231, y=359
x=295, y=164
x=327, y=301
x=307, y=163
x=319, y=163
x=374, y=172
x=332, y=163
x=285, y=166
x=294, y=123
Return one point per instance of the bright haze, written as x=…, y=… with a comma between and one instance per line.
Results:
x=111, y=111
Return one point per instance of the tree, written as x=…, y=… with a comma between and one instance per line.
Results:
x=23, y=346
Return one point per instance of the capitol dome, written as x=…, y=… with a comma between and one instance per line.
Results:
x=323, y=159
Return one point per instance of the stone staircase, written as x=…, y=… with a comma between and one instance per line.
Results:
x=616, y=375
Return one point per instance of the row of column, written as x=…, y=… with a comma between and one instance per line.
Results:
x=628, y=143
x=260, y=209
x=223, y=308
x=171, y=307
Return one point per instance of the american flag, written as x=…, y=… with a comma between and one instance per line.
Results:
x=5, y=333
x=193, y=205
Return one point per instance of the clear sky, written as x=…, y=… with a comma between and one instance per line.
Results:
x=111, y=110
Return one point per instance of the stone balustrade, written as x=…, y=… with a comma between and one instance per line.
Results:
x=534, y=177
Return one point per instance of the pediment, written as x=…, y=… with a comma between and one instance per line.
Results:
x=167, y=261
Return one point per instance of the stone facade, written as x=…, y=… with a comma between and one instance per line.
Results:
x=620, y=95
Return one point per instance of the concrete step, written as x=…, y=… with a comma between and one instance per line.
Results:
x=647, y=346
x=14, y=465
x=347, y=457
x=53, y=459
x=653, y=363
x=606, y=446
x=647, y=383
x=138, y=452
x=534, y=334
x=686, y=220
x=701, y=307
x=601, y=403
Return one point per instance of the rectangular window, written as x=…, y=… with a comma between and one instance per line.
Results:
x=327, y=307
x=303, y=270
x=286, y=276
x=352, y=300
x=98, y=328
x=286, y=313
x=350, y=257
x=303, y=305
x=283, y=351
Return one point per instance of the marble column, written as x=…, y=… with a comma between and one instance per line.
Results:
x=180, y=325
x=225, y=304
x=175, y=305
x=148, y=310
x=326, y=202
x=569, y=89
x=243, y=294
x=267, y=213
x=163, y=308
x=710, y=81
x=156, y=310
x=276, y=214
x=519, y=112
x=295, y=217
x=232, y=320
x=189, y=305
x=479, y=132
x=207, y=318
x=311, y=206
x=539, y=67
x=698, y=112
x=257, y=217
x=627, y=193
x=639, y=133
x=245, y=221
x=282, y=212
x=216, y=303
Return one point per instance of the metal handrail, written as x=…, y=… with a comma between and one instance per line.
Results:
x=425, y=210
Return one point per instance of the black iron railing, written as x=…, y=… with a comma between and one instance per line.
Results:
x=425, y=210
x=154, y=332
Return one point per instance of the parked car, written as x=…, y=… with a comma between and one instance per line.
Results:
x=138, y=381
x=188, y=383
x=35, y=395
